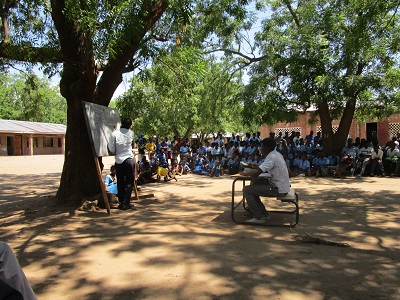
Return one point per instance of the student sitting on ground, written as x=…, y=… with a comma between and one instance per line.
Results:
x=304, y=168
x=233, y=164
x=295, y=166
x=204, y=168
x=176, y=167
x=217, y=169
x=321, y=164
x=145, y=172
x=111, y=181
x=348, y=162
x=198, y=163
x=257, y=159
x=163, y=170
x=184, y=168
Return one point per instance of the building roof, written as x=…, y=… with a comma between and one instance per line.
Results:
x=13, y=126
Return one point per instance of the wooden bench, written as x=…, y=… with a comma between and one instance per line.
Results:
x=290, y=197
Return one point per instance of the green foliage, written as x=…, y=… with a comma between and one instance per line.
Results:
x=325, y=53
x=182, y=93
x=29, y=98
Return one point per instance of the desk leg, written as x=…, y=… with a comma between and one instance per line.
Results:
x=242, y=201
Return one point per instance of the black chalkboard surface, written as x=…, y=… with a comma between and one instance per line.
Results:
x=101, y=121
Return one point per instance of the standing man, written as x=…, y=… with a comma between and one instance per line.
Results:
x=310, y=137
x=121, y=144
x=279, y=183
x=141, y=144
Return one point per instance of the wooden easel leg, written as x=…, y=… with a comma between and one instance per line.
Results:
x=103, y=188
x=135, y=178
x=135, y=189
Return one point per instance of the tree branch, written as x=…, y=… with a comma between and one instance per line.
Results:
x=293, y=13
x=31, y=54
x=238, y=53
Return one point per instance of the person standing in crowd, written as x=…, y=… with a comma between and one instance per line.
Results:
x=141, y=143
x=121, y=144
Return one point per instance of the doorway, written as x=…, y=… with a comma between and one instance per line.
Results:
x=10, y=145
x=14, y=145
x=372, y=132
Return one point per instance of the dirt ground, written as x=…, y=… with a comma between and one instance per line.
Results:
x=182, y=243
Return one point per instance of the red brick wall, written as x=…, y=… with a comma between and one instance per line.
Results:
x=356, y=129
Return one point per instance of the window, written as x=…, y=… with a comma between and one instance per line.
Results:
x=288, y=130
x=27, y=142
x=47, y=141
x=59, y=142
x=334, y=128
x=35, y=142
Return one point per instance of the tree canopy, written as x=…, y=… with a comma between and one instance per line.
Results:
x=338, y=57
x=27, y=97
x=183, y=93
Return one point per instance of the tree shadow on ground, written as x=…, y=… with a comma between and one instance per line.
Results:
x=174, y=247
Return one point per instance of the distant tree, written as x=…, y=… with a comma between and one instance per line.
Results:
x=27, y=97
x=181, y=94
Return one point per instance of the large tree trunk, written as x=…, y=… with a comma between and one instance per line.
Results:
x=79, y=176
x=78, y=83
x=326, y=125
x=336, y=141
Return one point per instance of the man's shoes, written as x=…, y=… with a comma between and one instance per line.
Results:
x=126, y=206
x=259, y=220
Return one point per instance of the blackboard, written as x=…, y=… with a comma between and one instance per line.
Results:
x=101, y=121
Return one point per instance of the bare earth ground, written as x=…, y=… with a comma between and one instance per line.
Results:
x=182, y=244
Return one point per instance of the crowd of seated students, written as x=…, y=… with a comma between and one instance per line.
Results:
x=304, y=156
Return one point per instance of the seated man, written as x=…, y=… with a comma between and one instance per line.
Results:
x=390, y=161
x=365, y=156
x=279, y=183
x=376, y=160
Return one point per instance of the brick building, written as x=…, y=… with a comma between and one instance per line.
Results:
x=31, y=138
x=383, y=130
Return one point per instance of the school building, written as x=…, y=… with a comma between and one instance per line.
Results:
x=382, y=130
x=31, y=138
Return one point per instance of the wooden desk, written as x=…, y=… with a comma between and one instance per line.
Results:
x=291, y=198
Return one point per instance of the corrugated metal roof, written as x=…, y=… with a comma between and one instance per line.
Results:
x=13, y=126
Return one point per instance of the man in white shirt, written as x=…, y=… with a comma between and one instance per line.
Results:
x=120, y=144
x=279, y=183
x=365, y=156
x=391, y=159
x=376, y=160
